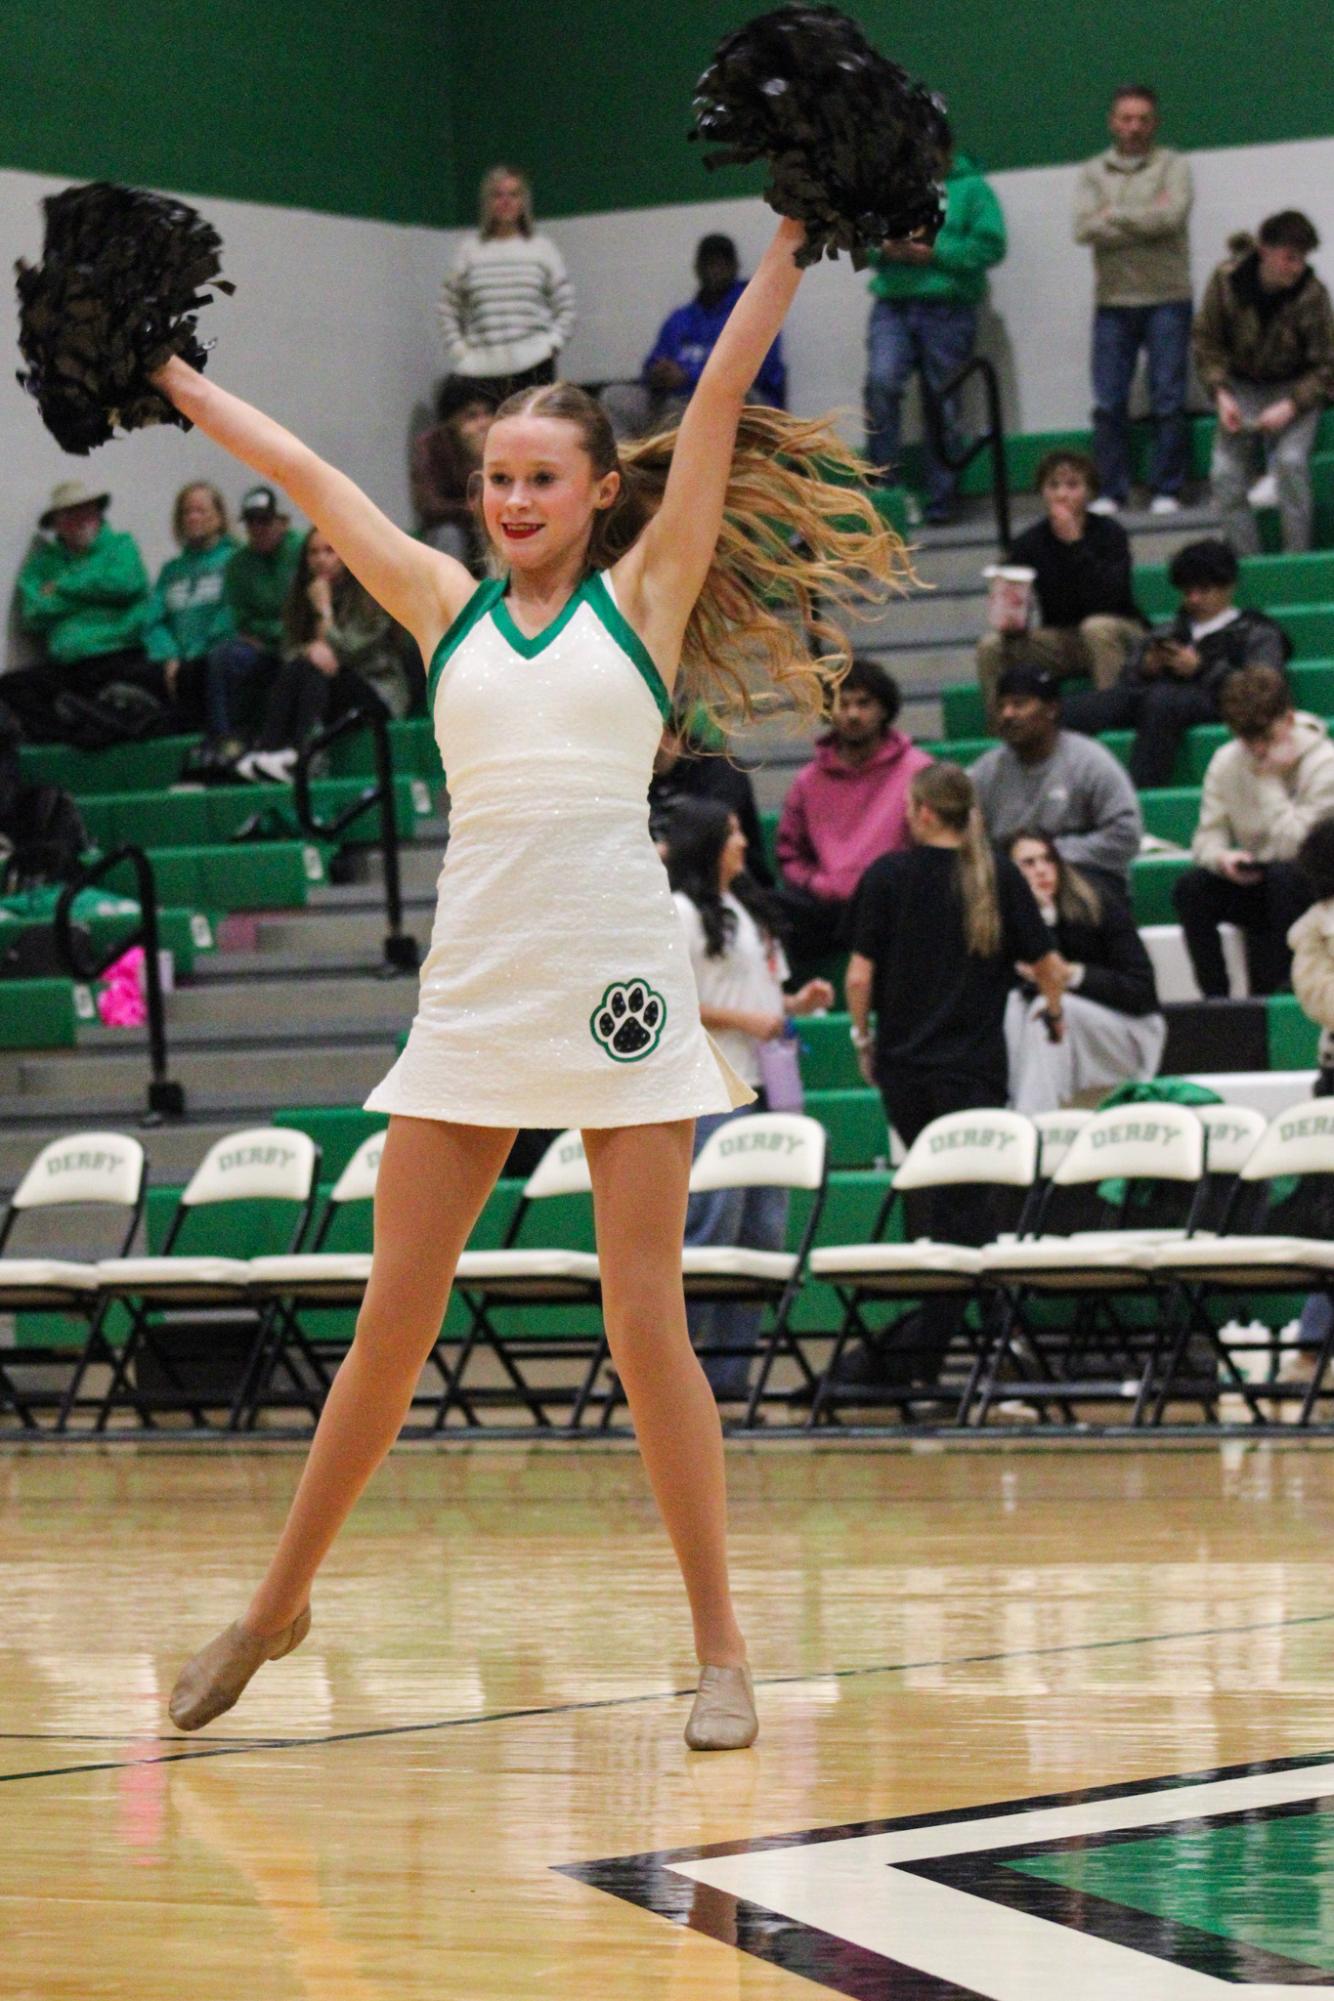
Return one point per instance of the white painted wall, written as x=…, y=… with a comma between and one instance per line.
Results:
x=331, y=330
x=630, y=268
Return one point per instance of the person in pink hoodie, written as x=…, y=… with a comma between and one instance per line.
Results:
x=845, y=809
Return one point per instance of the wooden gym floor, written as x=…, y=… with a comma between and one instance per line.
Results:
x=1036, y=1722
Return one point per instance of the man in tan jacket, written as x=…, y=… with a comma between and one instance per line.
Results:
x=1264, y=349
x=1263, y=792
x=1132, y=204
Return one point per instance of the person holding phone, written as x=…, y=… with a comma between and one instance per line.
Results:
x=1263, y=792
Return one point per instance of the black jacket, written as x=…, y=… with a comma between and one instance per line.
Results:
x=1251, y=640
x=1118, y=972
x=1076, y=580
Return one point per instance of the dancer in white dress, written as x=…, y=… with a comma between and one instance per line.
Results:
x=558, y=989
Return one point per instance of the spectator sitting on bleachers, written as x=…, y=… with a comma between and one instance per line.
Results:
x=1174, y=678
x=685, y=341
x=936, y=934
x=83, y=592
x=739, y=971
x=1114, y=1032
x=1264, y=350
x=692, y=763
x=1061, y=784
x=848, y=806
x=443, y=463
x=342, y=652
x=1132, y=205
x=507, y=307
x=925, y=318
x=1089, y=620
x=188, y=613
x=1263, y=792
x=255, y=583
x=1311, y=940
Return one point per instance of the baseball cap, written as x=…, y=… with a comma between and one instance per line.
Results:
x=260, y=500
x=1026, y=678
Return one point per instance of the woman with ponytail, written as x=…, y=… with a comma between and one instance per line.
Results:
x=937, y=932
x=558, y=990
x=740, y=971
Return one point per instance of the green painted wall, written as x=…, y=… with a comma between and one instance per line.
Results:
x=601, y=119
x=326, y=104
x=395, y=111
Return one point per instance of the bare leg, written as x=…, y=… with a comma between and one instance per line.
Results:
x=434, y=1180
x=640, y=1175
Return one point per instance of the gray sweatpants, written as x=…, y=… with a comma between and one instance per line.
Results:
x=1101, y=1049
x=1240, y=457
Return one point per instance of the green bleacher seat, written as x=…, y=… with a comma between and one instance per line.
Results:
x=828, y=1059
x=1266, y=581
x=37, y=1014
x=1313, y=685
x=1151, y=880
x=265, y=875
x=963, y=750
x=855, y=1122
x=338, y=1130
x=1294, y=1039
x=125, y=767
x=1172, y=813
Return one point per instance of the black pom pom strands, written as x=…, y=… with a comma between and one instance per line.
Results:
x=855, y=147
x=114, y=297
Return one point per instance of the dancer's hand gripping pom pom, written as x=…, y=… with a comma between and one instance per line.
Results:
x=116, y=294
x=855, y=147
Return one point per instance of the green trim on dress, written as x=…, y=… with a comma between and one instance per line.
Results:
x=605, y=608
x=530, y=648
x=477, y=607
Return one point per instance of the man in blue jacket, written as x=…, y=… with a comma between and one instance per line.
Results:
x=685, y=342
x=925, y=318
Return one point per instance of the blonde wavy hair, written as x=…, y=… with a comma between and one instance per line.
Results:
x=800, y=545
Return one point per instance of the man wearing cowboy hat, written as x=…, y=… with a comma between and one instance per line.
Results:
x=83, y=592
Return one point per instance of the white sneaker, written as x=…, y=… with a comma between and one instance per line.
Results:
x=1104, y=504
x=244, y=767
x=276, y=765
x=1164, y=503
x=1265, y=491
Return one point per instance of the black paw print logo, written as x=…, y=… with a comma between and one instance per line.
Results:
x=628, y=1020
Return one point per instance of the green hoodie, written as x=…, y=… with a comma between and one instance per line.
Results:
x=188, y=613
x=97, y=600
x=971, y=240
x=257, y=588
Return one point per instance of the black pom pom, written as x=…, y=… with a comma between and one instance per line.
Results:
x=855, y=147
x=115, y=296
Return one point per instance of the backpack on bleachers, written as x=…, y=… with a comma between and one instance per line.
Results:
x=119, y=713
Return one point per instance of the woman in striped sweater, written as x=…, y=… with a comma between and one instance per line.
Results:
x=507, y=307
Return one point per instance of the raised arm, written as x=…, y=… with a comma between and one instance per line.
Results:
x=660, y=578
x=421, y=588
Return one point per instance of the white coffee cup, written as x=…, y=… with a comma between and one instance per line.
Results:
x=1009, y=596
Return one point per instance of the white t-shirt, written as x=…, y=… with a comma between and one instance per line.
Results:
x=748, y=974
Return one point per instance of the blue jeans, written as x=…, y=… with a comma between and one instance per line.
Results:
x=235, y=668
x=907, y=334
x=1119, y=332
x=755, y=1217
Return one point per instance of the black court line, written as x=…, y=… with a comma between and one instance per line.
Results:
x=239, y=1747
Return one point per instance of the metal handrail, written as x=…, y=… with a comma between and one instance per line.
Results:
x=993, y=437
x=401, y=953
x=166, y=1099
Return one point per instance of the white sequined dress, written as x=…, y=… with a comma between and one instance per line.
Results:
x=558, y=988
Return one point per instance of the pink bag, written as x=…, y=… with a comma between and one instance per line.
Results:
x=121, y=1002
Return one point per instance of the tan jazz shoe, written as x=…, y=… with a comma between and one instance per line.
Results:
x=209, y=1684
x=723, y=1718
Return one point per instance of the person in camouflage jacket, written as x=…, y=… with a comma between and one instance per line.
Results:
x=1264, y=350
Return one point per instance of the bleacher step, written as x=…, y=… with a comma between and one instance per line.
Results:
x=115, y=1081
x=360, y=1004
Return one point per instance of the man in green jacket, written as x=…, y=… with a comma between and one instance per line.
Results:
x=83, y=592
x=255, y=587
x=925, y=318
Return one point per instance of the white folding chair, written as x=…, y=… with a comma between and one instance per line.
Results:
x=321, y=1279
x=995, y=1149
x=1127, y=1153
x=258, y=1166
x=536, y=1278
x=81, y=1177
x=1296, y=1147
